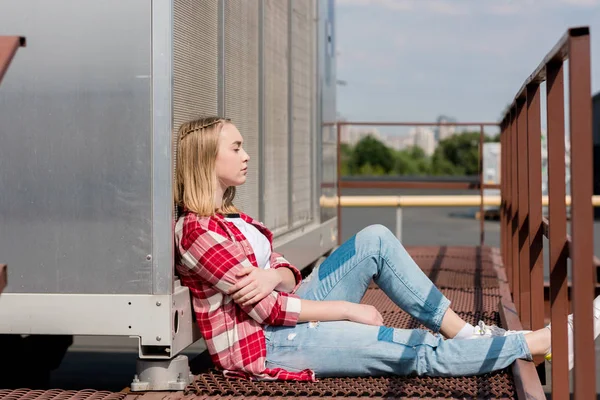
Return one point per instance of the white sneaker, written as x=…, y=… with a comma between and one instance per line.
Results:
x=596, y=309
x=485, y=331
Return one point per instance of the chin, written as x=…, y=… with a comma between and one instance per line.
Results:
x=239, y=182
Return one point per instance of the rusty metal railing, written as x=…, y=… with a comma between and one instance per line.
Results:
x=413, y=185
x=521, y=212
x=8, y=48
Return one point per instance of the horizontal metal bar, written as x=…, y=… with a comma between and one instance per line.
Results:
x=413, y=185
x=380, y=123
x=558, y=53
x=426, y=201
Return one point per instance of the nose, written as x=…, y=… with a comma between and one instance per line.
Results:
x=246, y=156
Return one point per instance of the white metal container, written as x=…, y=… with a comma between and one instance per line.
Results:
x=87, y=115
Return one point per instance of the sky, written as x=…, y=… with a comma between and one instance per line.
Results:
x=413, y=60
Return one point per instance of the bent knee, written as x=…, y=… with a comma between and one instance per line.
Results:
x=379, y=231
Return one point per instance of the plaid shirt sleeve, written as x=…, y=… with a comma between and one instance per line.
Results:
x=278, y=261
x=216, y=260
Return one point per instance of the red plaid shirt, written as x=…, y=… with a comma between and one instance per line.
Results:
x=210, y=252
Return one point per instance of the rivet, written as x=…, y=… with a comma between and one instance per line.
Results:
x=158, y=303
x=158, y=338
x=149, y=257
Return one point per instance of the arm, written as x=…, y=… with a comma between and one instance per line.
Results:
x=290, y=275
x=217, y=260
x=339, y=310
x=288, y=280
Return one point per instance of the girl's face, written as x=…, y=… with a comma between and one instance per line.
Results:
x=232, y=160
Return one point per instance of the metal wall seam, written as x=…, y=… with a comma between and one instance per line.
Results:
x=162, y=112
x=290, y=148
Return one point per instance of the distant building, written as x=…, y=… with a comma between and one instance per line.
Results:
x=424, y=138
x=352, y=135
x=397, y=142
x=445, y=131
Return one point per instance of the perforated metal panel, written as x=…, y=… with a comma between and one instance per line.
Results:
x=195, y=59
x=276, y=60
x=241, y=90
x=302, y=79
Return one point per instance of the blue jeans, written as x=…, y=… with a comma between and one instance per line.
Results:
x=344, y=348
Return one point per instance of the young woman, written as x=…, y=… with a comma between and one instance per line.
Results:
x=259, y=318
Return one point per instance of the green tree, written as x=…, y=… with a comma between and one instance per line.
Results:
x=441, y=166
x=371, y=151
x=371, y=170
x=461, y=150
x=412, y=161
x=346, y=155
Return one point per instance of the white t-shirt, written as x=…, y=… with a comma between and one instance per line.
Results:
x=259, y=242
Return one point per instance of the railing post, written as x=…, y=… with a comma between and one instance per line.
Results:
x=481, y=183
x=514, y=226
x=399, y=223
x=582, y=252
x=338, y=181
x=509, y=202
x=557, y=236
x=536, y=263
x=3, y=277
x=523, y=217
x=503, y=191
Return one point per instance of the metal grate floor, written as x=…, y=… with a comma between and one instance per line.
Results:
x=467, y=277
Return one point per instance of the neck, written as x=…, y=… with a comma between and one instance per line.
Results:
x=219, y=192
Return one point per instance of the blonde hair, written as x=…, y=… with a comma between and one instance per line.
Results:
x=195, y=179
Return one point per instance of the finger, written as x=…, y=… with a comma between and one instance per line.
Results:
x=245, y=290
x=255, y=299
x=247, y=297
x=241, y=284
x=244, y=271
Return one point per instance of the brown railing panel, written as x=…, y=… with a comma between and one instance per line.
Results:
x=558, y=230
x=580, y=118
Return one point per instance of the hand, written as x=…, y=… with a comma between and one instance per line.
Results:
x=364, y=314
x=257, y=284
